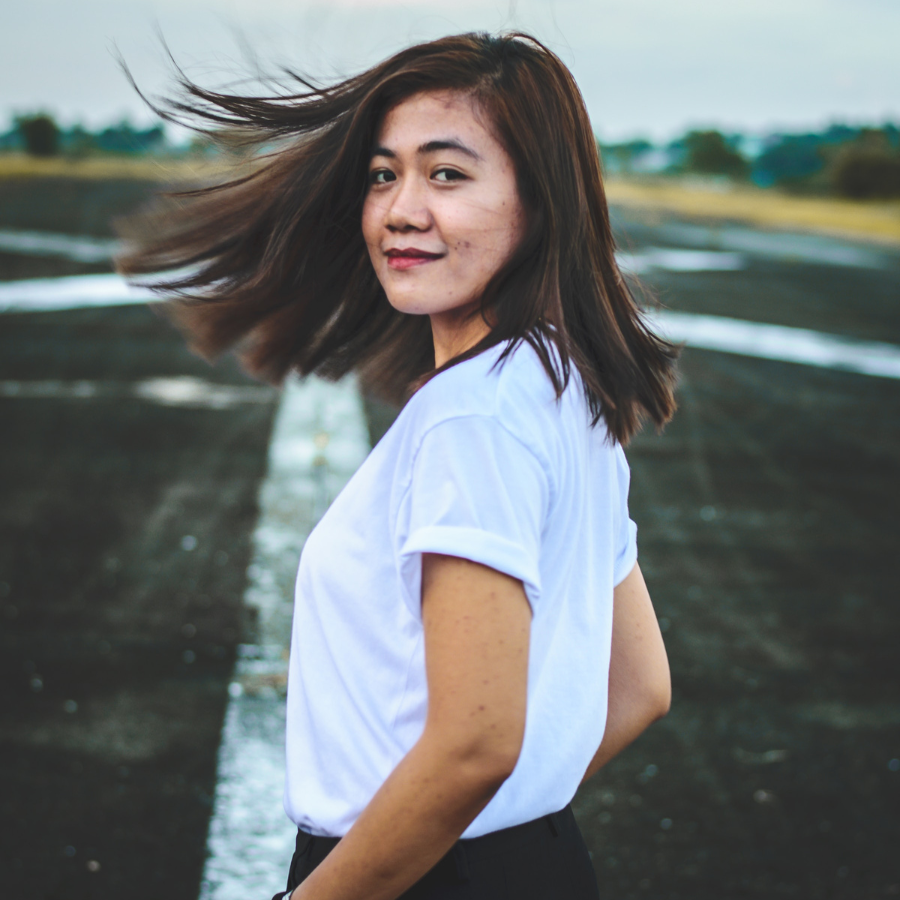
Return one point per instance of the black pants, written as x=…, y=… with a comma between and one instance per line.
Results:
x=541, y=860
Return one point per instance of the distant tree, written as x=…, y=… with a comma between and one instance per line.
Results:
x=232, y=142
x=117, y=138
x=867, y=168
x=125, y=138
x=151, y=139
x=40, y=134
x=621, y=157
x=709, y=153
x=12, y=140
x=77, y=141
x=792, y=159
x=892, y=135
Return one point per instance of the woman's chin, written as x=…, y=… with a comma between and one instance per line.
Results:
x=423, y=303
x=413, y=303
x=411, y=307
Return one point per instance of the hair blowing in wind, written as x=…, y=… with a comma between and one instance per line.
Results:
x=273, y=263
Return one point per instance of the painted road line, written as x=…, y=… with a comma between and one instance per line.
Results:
x=712, y=239
x=73, y=292
x=182, y=390
x=79, y=248
x=785, y=246
x=795, y=345
x=318, y=441
x=671, y=259
x=779, y=342
x=77, y=291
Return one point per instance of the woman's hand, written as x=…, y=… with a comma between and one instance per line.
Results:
x=477, y=624
x=640, y=688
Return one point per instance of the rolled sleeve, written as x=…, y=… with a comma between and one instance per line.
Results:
x=478, y=493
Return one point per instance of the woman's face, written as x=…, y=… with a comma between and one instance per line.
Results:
x=442, y=213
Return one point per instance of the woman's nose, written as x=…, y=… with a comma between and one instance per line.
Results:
x=408, y=208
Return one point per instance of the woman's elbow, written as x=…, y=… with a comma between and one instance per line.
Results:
x=651, y=693
x=494, y=757
x=660, y=695
x=486, y=757
x=658, y=682
x=664, y=703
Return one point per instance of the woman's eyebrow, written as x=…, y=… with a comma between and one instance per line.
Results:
x=448, y=144
x=431, y=147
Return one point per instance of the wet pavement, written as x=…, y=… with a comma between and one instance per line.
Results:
x=768, y=531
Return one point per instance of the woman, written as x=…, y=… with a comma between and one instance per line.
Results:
x=472, y=635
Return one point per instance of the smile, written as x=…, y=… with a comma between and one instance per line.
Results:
x=410, y=257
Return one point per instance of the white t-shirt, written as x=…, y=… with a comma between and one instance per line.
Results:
x=483, y=463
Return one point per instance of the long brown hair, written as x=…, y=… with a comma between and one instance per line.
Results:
x=274, y=261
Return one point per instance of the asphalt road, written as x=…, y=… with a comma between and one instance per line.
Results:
x=125, y=538
x=768, y=525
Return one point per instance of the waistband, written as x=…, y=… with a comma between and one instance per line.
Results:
x=467, y=850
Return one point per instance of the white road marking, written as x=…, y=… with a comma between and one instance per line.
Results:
x=786, y=246
x=318, y=441
x=182, y=390
x=77, y=291
x=43, y=243
x=782, y=245
x=670, y=259
x=795, y=345
x=73, y=292
x=35, y=390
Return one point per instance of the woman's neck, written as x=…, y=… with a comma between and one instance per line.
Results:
x=455, y=331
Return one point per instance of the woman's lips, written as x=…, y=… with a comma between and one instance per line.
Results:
x=406, y=259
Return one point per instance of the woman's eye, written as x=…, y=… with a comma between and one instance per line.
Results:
x=445, y=175
x=381, y=176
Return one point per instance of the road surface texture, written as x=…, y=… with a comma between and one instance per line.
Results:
x=768, y=522
x=126, y=530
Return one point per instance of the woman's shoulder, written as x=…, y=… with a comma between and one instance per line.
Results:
x=511, y=388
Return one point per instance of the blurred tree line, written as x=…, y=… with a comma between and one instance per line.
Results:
x=859, y=163
x=40, y=135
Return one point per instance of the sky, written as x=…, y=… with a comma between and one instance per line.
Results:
x=646, y=67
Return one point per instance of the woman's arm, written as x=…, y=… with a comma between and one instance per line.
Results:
x=640, y=689
x=477, y=624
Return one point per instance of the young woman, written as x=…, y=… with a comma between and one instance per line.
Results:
x=472, y=636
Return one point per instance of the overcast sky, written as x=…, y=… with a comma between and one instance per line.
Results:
x=646, y=67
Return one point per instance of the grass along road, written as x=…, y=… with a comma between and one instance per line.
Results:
x=872, y=221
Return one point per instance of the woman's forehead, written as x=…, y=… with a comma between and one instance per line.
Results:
x=438, y=116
